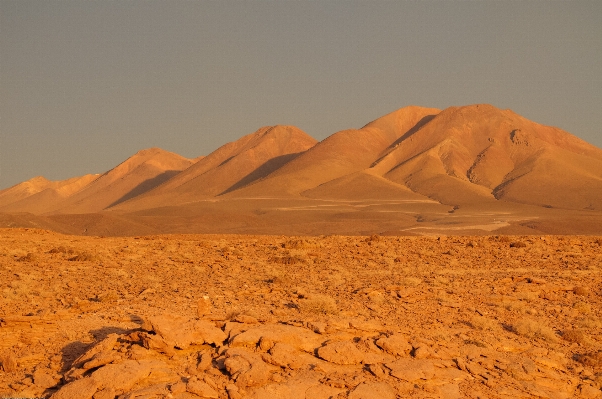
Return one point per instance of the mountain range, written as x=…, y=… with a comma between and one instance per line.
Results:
x=469, y=169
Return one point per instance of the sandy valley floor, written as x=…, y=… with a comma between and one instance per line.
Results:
x=219, y=316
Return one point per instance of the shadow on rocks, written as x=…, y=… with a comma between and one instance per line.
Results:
x=71, y=352
x=104, y=332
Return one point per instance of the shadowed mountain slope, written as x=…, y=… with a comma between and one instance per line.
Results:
x=232, y=166
x=92, y=193
x=340, y=154
x=38, y=195
x=480, y=153
x=141, y=172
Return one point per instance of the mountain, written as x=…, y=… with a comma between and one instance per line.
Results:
x=468, y=169
x=92, y=193
x=471, y=155
x=230, y=167
x=479, y=153
x=38, y=195
x=340, y=154
x=141, y=172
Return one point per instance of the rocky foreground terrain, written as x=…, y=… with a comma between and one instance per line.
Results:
x=298, y=317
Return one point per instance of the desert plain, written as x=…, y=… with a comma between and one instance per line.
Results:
x=329, y=316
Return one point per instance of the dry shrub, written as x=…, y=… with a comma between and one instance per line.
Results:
x=373, y=237
x=592, y=359
x=278, y=277
x=534, y=329
x=60, y=250
x=580, y=290
x=517, y=306
x=233, y=314
x=84, y=257
x=475, y=343
x=300, y=244
x=442, y=296
x=528, y=295
x=108, y=296
x=590, y=322
x=377, y=297
x=8, y=363
x=577, y=336
x=582, y=307
x=285, y=260
x=28, y=258
x=440, y=280
x=483, y=323
x=411, y=281
x=318, y=304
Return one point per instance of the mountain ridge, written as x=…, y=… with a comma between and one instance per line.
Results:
x=410, y=161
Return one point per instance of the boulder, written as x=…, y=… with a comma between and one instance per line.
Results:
x=341, y=353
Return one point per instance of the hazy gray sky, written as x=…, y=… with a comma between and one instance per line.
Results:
x=86, y=84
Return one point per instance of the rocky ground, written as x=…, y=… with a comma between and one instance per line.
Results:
x=299, y=317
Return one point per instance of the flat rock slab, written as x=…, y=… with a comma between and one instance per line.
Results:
x=297, y=337
x=373, y=390
x=412, y=370
x=181, y=332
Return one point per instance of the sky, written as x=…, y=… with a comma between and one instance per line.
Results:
x=86, y=84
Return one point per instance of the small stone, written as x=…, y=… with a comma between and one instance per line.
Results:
x=373, y=390
x=9, y=363
x=205, y=361
x=101, y=358
x=233, y=392
x=317, y=327
x=378, y=370
x=395, y=344
x=84, y=388
x=284, y=355
x=243, y=318
x=203, y=306
x=201, y=388
x=107, y=393
x=371, y=325
x=247, y=368
x=323, y=392
x=177, y=387
x=297, y=337
x=580, y=290
x=125, y=375
x=158, y=344
x=180, y=332
x=589, y=392
x=450, y=391
x=43, y=379
x=340, y=353
x=412, y=370
x=551, y=363
x=422, y=352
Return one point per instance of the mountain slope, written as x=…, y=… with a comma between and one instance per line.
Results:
x=232, y=166
x=340, y=154
x=38, y=195
x=480, y=153
x=141, y=172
